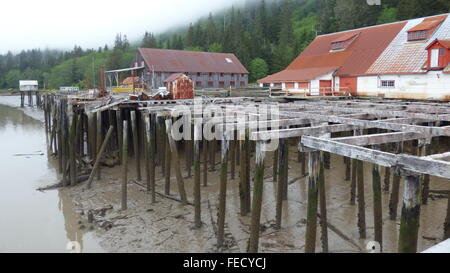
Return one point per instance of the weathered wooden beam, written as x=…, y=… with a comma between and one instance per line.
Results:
x=407, y=162
x=378, y=139
x=297, y=132
x=313, y=190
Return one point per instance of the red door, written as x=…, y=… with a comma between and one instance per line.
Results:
x=348, y=85
x=325, y=87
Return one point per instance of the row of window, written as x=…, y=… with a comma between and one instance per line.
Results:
x=388, y=84
x=417, y=35
x=221, y=84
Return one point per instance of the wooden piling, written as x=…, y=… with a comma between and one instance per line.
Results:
x=136, y=151
x=377, y=204
x=99, y=156
x=176, y=162
x=197, y=183
x=99, y=139
x=257, y=198
x=409, y=226
x=447, y=220
x=72, y=147
x=323, y=208
x=283, y=165
x=282, y=181
x=167, y=166
x=124, y=164
x=348, y=168
x=223, y=190
x=205, y=162
x=311, y=218
x=275, y=166
x=361, y=200
x=119, y=122
x=426, y=150
x=244, y=180
x=393, y=200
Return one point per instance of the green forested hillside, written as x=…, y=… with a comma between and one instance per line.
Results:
x=266, y=35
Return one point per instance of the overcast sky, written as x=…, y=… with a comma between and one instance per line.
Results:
x=26, y=24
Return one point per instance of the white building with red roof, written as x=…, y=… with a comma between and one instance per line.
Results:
x=407, y=60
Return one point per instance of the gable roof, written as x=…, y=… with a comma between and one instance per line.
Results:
x=444, y=43
x=429, y=23
x=369, y=43
x=165, y=60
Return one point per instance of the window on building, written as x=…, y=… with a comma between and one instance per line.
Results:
x=388, y=84
x=242, y=83
x=210, y=75
x=158, y=74
x=232, y=83
x=242, y=75
x=198, y=83
x=441, y=51
x=210, y=84
x=337, y=45
x=221, y=84
x=199, y=74
x=221, y=74
x=417, y=35
x=232, y=75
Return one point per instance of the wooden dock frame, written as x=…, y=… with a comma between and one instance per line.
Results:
x=321, y=125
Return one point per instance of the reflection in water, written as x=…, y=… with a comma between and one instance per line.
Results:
x=33, y=221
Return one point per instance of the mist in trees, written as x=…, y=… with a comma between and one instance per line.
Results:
x=266, y=35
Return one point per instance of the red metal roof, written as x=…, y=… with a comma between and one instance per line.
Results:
x=354, y=60
x=164, y=60
x=429, y=23
x=444, y=43
x=173, y=77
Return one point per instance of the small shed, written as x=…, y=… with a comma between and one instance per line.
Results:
x=179, y=86
x=28, y=85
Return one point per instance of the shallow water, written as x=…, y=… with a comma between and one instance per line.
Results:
x=33, y=221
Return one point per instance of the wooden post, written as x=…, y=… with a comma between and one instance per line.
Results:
x=257, y=198
x=283, y=164
x=223, y=190
x=327, y=160
x=152, y=154
x=311, y=218
x=282, y=180
x=167, y=165
x=393, y=201
x=377, y=204
x=197, y=183
x=72, y=146
x=409, y=226
x=426, y=150
x=124, y=165
x=447, y=220
x=275, y=166
x=119, y=132
x=361, y=200
x=99, y=156
x=136, y=145
x=323, y=208
x=233, y=155
x=348, y=168
x=244, y=180
x=99, y=139
x=176, y=162
x=205, y=162
x=162, y=144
